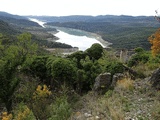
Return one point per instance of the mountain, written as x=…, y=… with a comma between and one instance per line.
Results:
x=100, y=18
x=74, y=18
x=18, y=21
x=123, y=31
x=5, y=14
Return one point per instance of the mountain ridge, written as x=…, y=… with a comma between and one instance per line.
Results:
x=17, y=20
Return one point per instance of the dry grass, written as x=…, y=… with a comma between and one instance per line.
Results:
x=105, y=107
x=126, y=101
x=109, y=108
x=125, y=83
x=146, y=69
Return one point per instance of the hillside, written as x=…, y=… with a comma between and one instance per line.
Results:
x=12, y=25
x=18, y=21
x=130, y=100
x=5, y=14
x=123, y=31
x=5, y=28
x=95, y=84
x=100, y=18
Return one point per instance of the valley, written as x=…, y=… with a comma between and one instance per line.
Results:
x=112, y=71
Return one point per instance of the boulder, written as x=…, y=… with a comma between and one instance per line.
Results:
x=102, y=82
x=155, y=79
x=116, y=77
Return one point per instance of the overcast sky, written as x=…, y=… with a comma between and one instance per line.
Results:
x=80, y=7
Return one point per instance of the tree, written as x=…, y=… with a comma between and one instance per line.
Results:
x=79, y=55
x=154, y=39
x=38, y=67
x=157, y=17
x=95, y=51
x=89, y=72
x=12, y=58
x=63, y=71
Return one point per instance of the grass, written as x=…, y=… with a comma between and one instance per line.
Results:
x=130, y=99
x=125, y=83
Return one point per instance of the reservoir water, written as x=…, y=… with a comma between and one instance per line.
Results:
x=76, y=38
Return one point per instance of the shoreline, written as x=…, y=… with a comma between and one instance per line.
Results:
x=106, y=44
x=99, y=38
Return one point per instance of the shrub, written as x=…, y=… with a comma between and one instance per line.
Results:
x=95, y=51
x=25, y=89
x=63, y=70
x=40, y=102
x=23, y=113
x=6, y=116
x=37, y=67
x=60, y=110
x=140, y=57
x=114, y=67
x=91, y=71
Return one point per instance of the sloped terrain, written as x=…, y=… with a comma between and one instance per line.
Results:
x=18, y=21
x=6, y=29
x=137, y=102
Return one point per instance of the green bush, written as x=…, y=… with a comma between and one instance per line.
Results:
x=91, y=71
x=63, y=70
x=141, y=57
x=114, y=67
x=22, y=112
x=95, y=51
x=37, y=67
x=60, y=110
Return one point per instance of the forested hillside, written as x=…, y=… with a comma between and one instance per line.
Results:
x=94, y=84
x=123, y=31
x=16, y=20
x=12, y=25
x=5, y=28
x=50, y=87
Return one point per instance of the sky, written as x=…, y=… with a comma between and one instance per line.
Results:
x=80, y=7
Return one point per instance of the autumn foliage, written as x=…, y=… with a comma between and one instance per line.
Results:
x=6, y=116
x=154, y=39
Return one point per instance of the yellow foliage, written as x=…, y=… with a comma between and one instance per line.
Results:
x=23, y=114
x=155, y=41
x=41, y=92
x=6, y=116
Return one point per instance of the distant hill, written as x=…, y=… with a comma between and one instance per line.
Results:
x=101, y=18
x=18, y=21
x=123, y=31
x=5, y=14
x=74, y=18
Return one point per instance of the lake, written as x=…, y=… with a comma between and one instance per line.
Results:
x=76, y=38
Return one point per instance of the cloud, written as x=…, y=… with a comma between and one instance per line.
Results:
x=79, y=7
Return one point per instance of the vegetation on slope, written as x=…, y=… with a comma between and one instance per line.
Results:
x=39, y=36
x=17, y=21
x=35, y=86
x=49, y=87
x=123, y=31
x=5, y=28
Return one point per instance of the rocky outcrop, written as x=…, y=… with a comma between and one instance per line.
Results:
x=155, y=79
x=102, y=82
x=105, y=81
x=116, y=77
